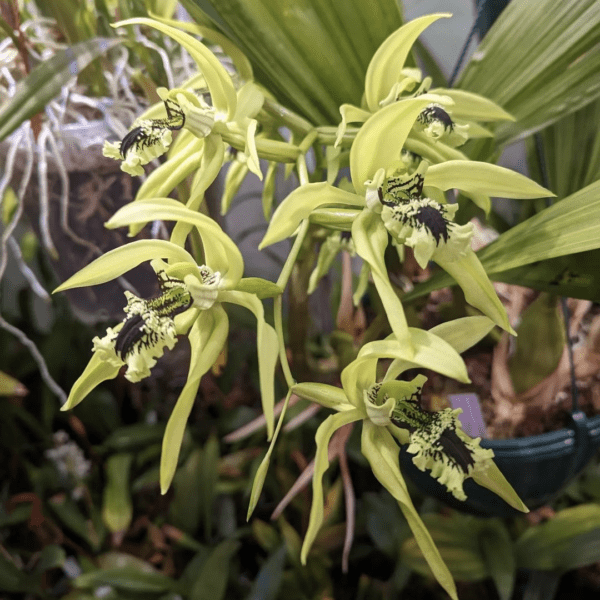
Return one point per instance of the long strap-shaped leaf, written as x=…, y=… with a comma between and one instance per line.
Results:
x=540, y=61
x=46, y=81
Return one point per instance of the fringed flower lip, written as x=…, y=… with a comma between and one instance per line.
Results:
x=435, y=439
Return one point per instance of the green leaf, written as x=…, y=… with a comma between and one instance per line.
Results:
x=207, y=337
x=300, y=203
x=381, y=451
x=567, y=541
x=540, y=334
x=261, y=288
x=186, y=506
x=46, y=81
x=286, y=47
x=568, y=226
x=573, y=276
x=267, y=347
x=268, y=581
x=211, y=583
x=386, y=64
x=126, y=579
x=477, y=177
x=117, y=507
x=13, y=579
x=544, y=58
x=497, y=549
x=327, y=428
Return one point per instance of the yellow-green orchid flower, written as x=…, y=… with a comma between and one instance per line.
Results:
x=391, y=415
x=190, y=303
x=388, y=199
x=388, y=80
x=230, y=114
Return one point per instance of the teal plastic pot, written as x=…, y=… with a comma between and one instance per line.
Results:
x=537, y=467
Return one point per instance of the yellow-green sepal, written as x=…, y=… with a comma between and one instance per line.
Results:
x=261, y=288
x=358, y=377
x=267, y=347
x=233, y=180
x=219, y=82
x=298, y=206
x=350, y=114
x=120, y=260
x=370, y=240
x=430, y=352
x=471, y=106
x=328, y=396
x=327, y=428
x=388, y=61
x=207, y=338
x=96, y=371
x=221, y=253
x=476, y=285
x=240, y=61
x=379, y=448
x=379, y=141
x=492, y=478
x=483, y=178
x=261, y=472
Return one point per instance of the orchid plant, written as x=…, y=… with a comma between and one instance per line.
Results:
x=403, y=166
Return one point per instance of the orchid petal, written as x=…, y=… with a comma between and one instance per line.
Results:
x=96, y=371
x=328, y=396
x=327, y=428
x=380, y=139
x=120, y=260
x=483, y=178
x=221, y=253
x=477, y=287
x=218, y=80
x=207, y=337
x=298, y=206
x=430, y=352
x=370, y=240
x=268, y=346
x=379, y=448
x=387, y=63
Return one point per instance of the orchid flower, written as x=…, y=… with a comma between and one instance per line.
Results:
x=231, y=112
x=389, y=80
x=391, y=415
x=389, y=199
x=190, y=303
